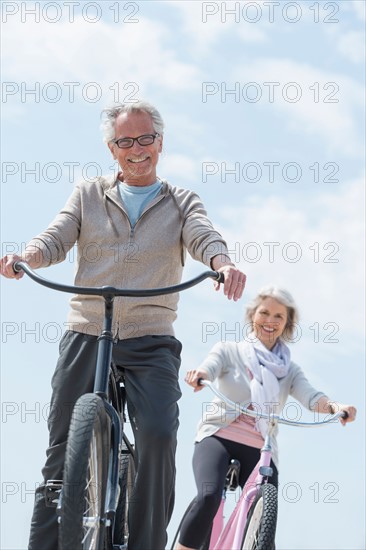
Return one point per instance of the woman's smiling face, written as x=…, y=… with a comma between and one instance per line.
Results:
x=269, y=321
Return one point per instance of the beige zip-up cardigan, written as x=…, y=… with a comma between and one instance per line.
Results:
x=111, y=252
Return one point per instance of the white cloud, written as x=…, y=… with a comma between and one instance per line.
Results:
x=176, y=166
x=205, y=24
x=325, y=101
x=252, y=34
x=352, y=46
x=103, y=53
x=200, y=35
x=327, y=233
x=359, y=7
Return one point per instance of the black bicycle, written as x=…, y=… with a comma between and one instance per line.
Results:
x=92, y=499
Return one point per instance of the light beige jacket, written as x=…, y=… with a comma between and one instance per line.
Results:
x=111, y=252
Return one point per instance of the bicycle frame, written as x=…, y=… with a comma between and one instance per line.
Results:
x=102, y=372
x=231, y=534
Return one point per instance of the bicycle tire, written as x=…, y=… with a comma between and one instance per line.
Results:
x=260, y=528
x=82, y=525
x=126, y=482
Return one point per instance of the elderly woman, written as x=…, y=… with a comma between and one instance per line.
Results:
x=256, y=371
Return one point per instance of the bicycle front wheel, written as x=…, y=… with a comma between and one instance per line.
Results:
x=260, y=529
x=82, y=525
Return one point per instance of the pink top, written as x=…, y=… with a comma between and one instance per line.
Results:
x=242, y=430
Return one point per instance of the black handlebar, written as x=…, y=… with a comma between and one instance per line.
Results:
x=17, y=266
x=112, y=291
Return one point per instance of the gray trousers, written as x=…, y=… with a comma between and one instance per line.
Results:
x=151, y=365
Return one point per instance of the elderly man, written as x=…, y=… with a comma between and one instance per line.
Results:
x=142, y=227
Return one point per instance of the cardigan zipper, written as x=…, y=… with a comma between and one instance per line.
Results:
x=132, y=227
x=132, y=232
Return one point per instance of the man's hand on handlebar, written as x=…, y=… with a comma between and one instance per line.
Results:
x=6, y=266
x=234, y=279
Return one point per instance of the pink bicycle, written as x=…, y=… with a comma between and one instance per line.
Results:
x=252, y=524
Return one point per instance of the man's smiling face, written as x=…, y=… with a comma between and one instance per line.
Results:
x=138, y=163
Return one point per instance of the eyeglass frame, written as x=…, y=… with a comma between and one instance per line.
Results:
x=154, y=136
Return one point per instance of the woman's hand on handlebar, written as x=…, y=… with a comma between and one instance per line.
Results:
x=350, y=411
x=326, y=406
x=6, y=266
x=194, y=376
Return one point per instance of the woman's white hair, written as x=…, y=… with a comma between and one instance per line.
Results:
x=110, y=114
x=283, y=297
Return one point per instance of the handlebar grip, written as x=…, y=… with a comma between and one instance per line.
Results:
x=344, y=415
x=16, y=267
x=220, y=277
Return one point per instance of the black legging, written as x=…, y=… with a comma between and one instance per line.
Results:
x=210, y=463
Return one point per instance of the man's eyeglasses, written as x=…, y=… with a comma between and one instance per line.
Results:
x=126, y=143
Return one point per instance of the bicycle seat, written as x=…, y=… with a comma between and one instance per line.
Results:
x=232, y=476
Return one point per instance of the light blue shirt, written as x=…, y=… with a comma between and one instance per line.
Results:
x=136, y=198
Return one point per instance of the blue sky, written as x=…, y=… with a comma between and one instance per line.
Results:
x=264, y=114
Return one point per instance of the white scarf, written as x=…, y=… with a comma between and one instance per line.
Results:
x=266, y=367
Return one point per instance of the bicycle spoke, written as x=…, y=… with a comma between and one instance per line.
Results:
x=91, y=523
x=252, y=542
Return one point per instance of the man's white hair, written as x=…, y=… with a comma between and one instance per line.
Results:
x=110, y=114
